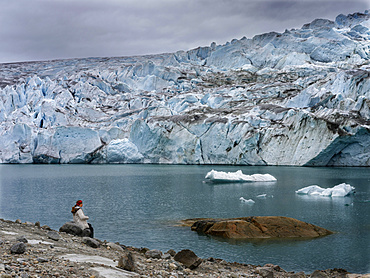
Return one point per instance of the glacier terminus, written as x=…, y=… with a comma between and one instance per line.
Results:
x=300, y=98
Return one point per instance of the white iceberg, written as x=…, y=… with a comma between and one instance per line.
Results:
x=340, y=190
x=238, y=176
x=248, y=201
x=311, y=190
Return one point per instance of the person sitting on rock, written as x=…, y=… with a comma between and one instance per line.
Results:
x=80, y=219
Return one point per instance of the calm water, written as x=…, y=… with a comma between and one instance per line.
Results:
x=139, y=205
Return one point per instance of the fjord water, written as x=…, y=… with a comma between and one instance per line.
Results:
x=140, y=205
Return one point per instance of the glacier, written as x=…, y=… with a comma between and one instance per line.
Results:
x=299, y=98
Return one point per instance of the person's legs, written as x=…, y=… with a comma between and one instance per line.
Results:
x=91, y=230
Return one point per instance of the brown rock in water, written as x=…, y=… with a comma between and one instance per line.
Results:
x=258, y=227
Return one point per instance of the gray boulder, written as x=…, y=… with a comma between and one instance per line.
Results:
x=265, y=272
x=319, y=274
x=91, y=242
x=53, y=235
x=188, y=259
x=127, y=262
x=166, y=256
x=22, y=239
x=154, y=254
x=171, y=252
x=42, y=260
x=298, y=275
x=115, y=246
x=18, y=248
x=73, y=229
x=46, y=227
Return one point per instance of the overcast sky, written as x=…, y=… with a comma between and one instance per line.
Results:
x=53, y=29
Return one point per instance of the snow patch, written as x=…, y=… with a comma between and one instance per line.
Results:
x=35, y=241
x=9, y=233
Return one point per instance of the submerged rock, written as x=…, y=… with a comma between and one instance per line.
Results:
x=258, y=227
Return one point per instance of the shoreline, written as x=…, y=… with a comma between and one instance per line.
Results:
x=49, y=253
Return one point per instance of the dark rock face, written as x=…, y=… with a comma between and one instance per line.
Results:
x=18, y=248
x=258, y=227
x=188, y=258
x=73, y=229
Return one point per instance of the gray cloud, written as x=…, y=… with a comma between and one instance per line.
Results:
x=54, y=29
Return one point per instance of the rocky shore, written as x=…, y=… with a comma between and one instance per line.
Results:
x=256, y=227
x=31, y=250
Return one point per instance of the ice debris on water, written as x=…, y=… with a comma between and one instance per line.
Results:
x=238, y=176
x=248, y=201
x=340, y=190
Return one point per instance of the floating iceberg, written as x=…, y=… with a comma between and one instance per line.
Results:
x=340, y=190
x=248, y=201
x=238, y=176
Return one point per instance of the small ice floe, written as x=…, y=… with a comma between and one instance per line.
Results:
x=262, y=196
x=247, y=201
x=238, y=176
x=340, y=190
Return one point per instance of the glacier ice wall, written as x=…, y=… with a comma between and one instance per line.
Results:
x=295, y=98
